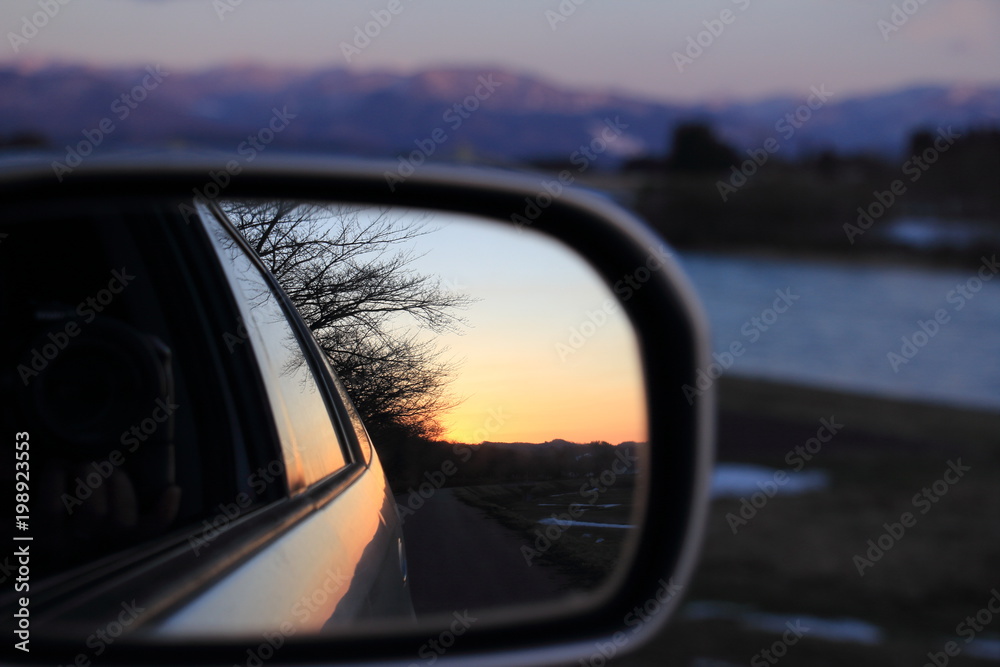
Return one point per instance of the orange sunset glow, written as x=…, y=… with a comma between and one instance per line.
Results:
x=545, y=352
x=519, y=390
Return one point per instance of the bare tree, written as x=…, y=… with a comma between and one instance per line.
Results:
x=347, y=272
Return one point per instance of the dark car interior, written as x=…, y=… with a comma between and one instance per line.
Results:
x=131, y=403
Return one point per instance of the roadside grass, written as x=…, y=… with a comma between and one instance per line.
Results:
x=795, y=556
x=586, y=554
x=797, y=553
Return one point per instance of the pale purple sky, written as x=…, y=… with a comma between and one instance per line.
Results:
x=768, y=46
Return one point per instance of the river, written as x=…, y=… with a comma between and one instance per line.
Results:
x=887, y=329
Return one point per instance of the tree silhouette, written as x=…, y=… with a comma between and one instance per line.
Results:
x=956, y=175
x=695, y=148
x=349, y=276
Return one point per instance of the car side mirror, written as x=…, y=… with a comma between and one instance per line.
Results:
x=182, y=206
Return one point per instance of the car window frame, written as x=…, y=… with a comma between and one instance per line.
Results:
x=318, y=364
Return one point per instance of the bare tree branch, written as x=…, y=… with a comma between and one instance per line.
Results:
x=344, y=269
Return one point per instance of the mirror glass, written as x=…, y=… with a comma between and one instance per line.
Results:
x=436, y=416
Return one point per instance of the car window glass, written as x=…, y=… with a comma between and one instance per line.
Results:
x=296, y=396
x=130, y=429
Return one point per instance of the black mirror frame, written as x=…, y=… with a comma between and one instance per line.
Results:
x=673, y=339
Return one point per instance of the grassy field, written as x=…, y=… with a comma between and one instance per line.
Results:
x=795, y=557
x=546, y=515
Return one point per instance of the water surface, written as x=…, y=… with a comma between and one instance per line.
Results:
x=844, y=320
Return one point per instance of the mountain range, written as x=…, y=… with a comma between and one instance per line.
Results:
x=477, y=114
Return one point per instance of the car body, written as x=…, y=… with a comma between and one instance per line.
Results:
x=189, y=444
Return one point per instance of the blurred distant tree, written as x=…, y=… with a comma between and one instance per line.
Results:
x=956, y=172
x=349, y=275
x=644, y=163
x=24, y=139
x=828, y=164
x=920, y=141
x=696, y=148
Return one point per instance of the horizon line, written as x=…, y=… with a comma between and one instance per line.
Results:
x=31, y=65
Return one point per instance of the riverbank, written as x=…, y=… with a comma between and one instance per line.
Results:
x=921, y=422
x=810, y=557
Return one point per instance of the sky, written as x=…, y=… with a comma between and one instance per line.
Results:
x=521, y=373
x=748, y=49
x=530, y=295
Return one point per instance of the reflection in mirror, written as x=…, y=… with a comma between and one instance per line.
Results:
x=498, y=378
x=444, y=415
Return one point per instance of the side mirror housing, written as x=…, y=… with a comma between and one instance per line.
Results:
x=650, y=288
